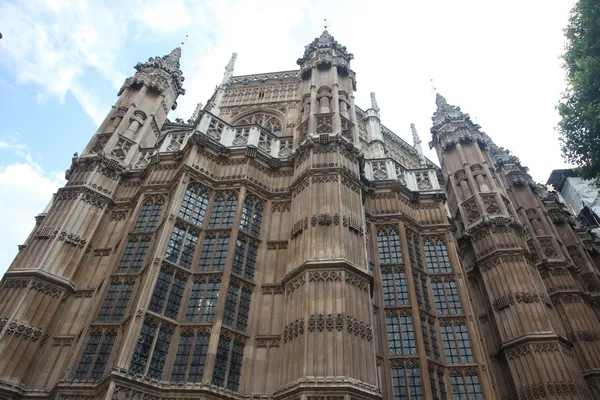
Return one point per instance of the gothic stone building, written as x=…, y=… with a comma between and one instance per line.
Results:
x=284, y=244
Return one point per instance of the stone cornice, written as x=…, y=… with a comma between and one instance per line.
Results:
x=42, y=276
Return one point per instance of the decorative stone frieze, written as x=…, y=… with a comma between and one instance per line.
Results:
x=19, y=329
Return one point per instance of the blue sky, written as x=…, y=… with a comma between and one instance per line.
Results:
x=62, y=62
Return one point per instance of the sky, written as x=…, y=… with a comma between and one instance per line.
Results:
x=62, y=63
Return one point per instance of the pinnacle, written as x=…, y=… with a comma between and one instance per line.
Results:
x=172, y=60
x=446, y=111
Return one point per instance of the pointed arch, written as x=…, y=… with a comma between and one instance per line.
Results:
x=269, y=119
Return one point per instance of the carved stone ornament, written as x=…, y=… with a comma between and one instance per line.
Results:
x=168, y=65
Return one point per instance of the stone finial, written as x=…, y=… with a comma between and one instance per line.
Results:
x=415, y=135
x=445, y=110
x=417, y=143
x=197, y=112
x=169, y=64
x=374, y=105
x=229, y=69
x=327, y=43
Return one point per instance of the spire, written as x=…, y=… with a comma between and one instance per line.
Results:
x=374, y=105
x=169, y=64
x=325, y=42
x=446, y=111
x=229, y=69
x=196, y=112
x=417, y=144
x=415, y=135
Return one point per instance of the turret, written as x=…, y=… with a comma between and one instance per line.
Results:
x=143, y=106
x=495, y=250
x=327, y=90
x=376, y=148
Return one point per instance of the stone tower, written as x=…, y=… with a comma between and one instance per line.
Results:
x=284, y=244
x=534, y=285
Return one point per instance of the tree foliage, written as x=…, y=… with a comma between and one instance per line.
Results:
x=580, y=105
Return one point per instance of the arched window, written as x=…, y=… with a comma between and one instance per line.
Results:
x=446, y=297
x=116, y=300
x=252, y=213
x=457, y=346
x=149, y=349
x=465, y=384
x=401, y=333
x=388, y=245
x=203, y=300
x=194, y=204
x=214, y=252
x=230, y=353
x=182, y=245
x=223, y=210
x=267, y=121
x=147, y=219
x=244, y=259
x=168, y=293
x=395, y=286
x=96, y=354
x=191, y=356
x=134, y=255
x=406, y=380
x=436, y=255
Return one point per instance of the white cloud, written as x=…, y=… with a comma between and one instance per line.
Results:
x=25, y=190
x=490, y=59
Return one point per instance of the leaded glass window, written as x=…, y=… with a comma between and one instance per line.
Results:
x=133, y=255
x=438, y=386
x=203, y=300
x=436, y=254
x=223, y=210
x=401, y=333
x=388, y=245
x=414, y=250
x=214, y=252
x=425, y=291
x=168, y=292
x=237, y=305
x=116, y=300
x=406, y=381
x=445, y=293
x=473, y=386
x=191, y=356
x=151, y=349
x=434, y=337
x=161, y=350
x=426, y=337
x=433, y=384
x=395, y=286
x=182, y=245
x=442, y=382
x=252, y=213
x=418, y=288
x=459, y=391
x=194, y=205
x=149, y=214
x=96, y=354
x=457, y=345
x=244, y=259
x=228, y=363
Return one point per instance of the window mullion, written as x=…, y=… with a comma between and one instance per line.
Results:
x=228, y=364
x=151, y=352
x=96, y=353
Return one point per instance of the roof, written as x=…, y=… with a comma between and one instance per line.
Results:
x=558, y=177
